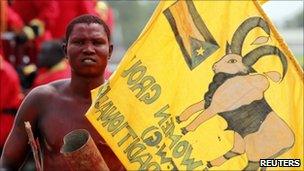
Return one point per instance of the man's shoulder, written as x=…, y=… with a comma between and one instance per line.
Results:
x=59, y=84
x=51, y=88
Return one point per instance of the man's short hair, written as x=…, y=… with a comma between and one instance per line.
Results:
x=87, y=19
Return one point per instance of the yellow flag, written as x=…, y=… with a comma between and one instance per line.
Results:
x=207, y=85
x=262, y=2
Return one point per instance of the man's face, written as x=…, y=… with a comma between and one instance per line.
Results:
x=88, y=49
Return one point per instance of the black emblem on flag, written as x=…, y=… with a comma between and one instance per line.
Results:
x=191, y=33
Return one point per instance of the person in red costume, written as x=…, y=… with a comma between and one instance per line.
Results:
x=53, y=16
x=51, y=63
x=10, y=98
x=9, y=19
x=30, y=22
x=67, y=10
x=10, y=22
x=38, y=16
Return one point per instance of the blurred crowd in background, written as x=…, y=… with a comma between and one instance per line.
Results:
x=32, y=33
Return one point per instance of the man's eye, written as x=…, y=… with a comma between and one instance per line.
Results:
x=232, y=61
x=78, y=42
x=98, y=42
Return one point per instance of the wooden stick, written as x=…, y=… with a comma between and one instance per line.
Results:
x=39, y=153
x=33, y=144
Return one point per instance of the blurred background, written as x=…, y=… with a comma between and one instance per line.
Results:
x=288, y=18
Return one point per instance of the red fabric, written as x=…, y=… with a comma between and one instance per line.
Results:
x=44, y=76
x=46, y=11
x=107, y=73
x=14, y=21
x=57, y=14
x=69, y=10
x=10, y=97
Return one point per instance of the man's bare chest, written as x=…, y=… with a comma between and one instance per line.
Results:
x=59, y=118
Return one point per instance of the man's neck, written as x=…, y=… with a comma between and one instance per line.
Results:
x=82, y=86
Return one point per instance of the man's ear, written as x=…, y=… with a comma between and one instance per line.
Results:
x=110, y=51
x=64, y=48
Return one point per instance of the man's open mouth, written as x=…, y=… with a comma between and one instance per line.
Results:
x=88, y=60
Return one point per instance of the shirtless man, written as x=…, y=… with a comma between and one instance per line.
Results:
x=57, y=108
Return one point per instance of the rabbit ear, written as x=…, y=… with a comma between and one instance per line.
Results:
x=260, y=40
x=228, y=48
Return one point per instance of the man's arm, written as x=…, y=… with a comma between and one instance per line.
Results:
x=16, y=147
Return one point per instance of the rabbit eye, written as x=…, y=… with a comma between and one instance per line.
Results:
x=232, y=61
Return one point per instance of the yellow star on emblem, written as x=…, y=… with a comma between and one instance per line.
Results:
x=200, y=51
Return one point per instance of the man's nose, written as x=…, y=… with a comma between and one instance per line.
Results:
x=89, y=48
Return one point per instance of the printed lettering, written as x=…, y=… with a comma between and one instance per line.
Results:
x=153, y=139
